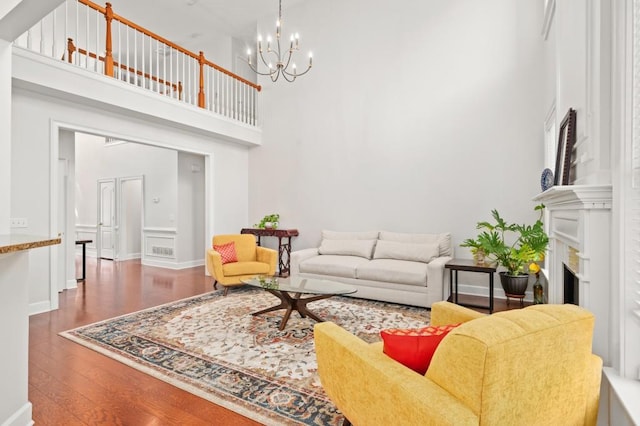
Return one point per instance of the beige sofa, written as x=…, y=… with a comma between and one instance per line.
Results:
x=388, y=266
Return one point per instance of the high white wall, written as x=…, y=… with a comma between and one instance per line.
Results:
x=418, y=117
x=34, y=116
x=96, y=160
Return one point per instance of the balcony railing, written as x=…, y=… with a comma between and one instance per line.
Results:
x=90, y=36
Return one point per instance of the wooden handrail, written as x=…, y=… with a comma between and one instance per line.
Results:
x=168, y=43
x=229, y=73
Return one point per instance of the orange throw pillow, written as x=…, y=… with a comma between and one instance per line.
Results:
x=227, y=252
x=414, y=347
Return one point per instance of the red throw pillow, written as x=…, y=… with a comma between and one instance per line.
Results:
x=414, y=347
x=227, y=252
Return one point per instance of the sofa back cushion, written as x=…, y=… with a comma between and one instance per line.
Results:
x=518, y=364
x=338, y=235
x=361, y=248
x=443, y=240
x=415, y=252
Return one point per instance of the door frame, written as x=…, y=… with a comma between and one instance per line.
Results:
x=54, y=138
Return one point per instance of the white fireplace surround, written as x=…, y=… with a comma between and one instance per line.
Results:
x=579, y=227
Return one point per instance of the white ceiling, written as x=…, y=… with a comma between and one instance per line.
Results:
x=193, y=24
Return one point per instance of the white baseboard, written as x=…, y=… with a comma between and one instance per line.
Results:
x=130, y=256
x=22, y=417
x=72, y=284
x=191, y=264
x=38, y=308
x=171, y=265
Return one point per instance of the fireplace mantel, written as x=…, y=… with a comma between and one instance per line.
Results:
x=576, y=197
x=579, y=227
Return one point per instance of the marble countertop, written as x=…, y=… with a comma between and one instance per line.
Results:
x=10, y=243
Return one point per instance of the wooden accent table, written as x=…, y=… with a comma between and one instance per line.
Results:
x=467, y=265
x=284, y=247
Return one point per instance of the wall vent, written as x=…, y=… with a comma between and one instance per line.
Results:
x=162, y=251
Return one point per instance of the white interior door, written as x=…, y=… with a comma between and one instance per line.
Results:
x=107, y=226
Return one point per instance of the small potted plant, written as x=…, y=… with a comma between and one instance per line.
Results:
x=270, y=221
x=511, y=246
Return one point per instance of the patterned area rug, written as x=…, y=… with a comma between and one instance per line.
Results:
x=213, y=347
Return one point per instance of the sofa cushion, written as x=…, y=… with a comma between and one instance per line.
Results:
x=338, y=235
x=362, y=248
x=339, y=266
x=393, y=271
x=245, y=268
x=414, y=347
x=227, y=252
x=443, y=240
x=415, y=252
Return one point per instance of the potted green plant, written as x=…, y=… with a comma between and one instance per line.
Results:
x=511, y=246
x=270, y=221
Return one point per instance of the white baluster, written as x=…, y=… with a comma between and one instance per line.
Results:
x=135, y=58
x=42, y=36
x=77, y=31
x=158, y=66
x=98, y=49
x=53, y=43
x=86, y=43
x=171, y=82
x=120, y=50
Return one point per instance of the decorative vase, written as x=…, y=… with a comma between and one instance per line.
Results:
x=478, y=257
x=514, y=285
x=538, y=293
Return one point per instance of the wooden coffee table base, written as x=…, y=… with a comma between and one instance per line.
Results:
x=291, y=304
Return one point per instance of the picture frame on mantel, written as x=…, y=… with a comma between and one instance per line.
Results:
x=566, y=142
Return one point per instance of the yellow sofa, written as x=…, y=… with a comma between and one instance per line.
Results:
x=530, y=366
x=252, y=260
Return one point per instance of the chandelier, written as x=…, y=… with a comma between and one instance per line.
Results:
x=278, y=61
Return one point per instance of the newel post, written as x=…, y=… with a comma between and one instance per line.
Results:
x=70, y=49
x=201, y=92
x=108, y=58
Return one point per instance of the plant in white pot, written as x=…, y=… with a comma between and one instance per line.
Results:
x=512, y=246
x=270, y=221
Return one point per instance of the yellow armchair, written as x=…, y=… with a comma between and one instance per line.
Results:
x=252, y=260
x=530, y=366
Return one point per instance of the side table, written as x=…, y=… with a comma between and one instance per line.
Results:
x=468, y=265
x=83, y=243
x=284, y=247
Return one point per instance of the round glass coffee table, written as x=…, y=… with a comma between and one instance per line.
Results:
x=291, y=290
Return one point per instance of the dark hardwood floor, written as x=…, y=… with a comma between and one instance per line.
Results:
x=72, y=385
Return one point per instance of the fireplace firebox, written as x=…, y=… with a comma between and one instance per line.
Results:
x=571, y=287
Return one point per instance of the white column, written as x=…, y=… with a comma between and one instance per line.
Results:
x=5, y=135
x=15, y=408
